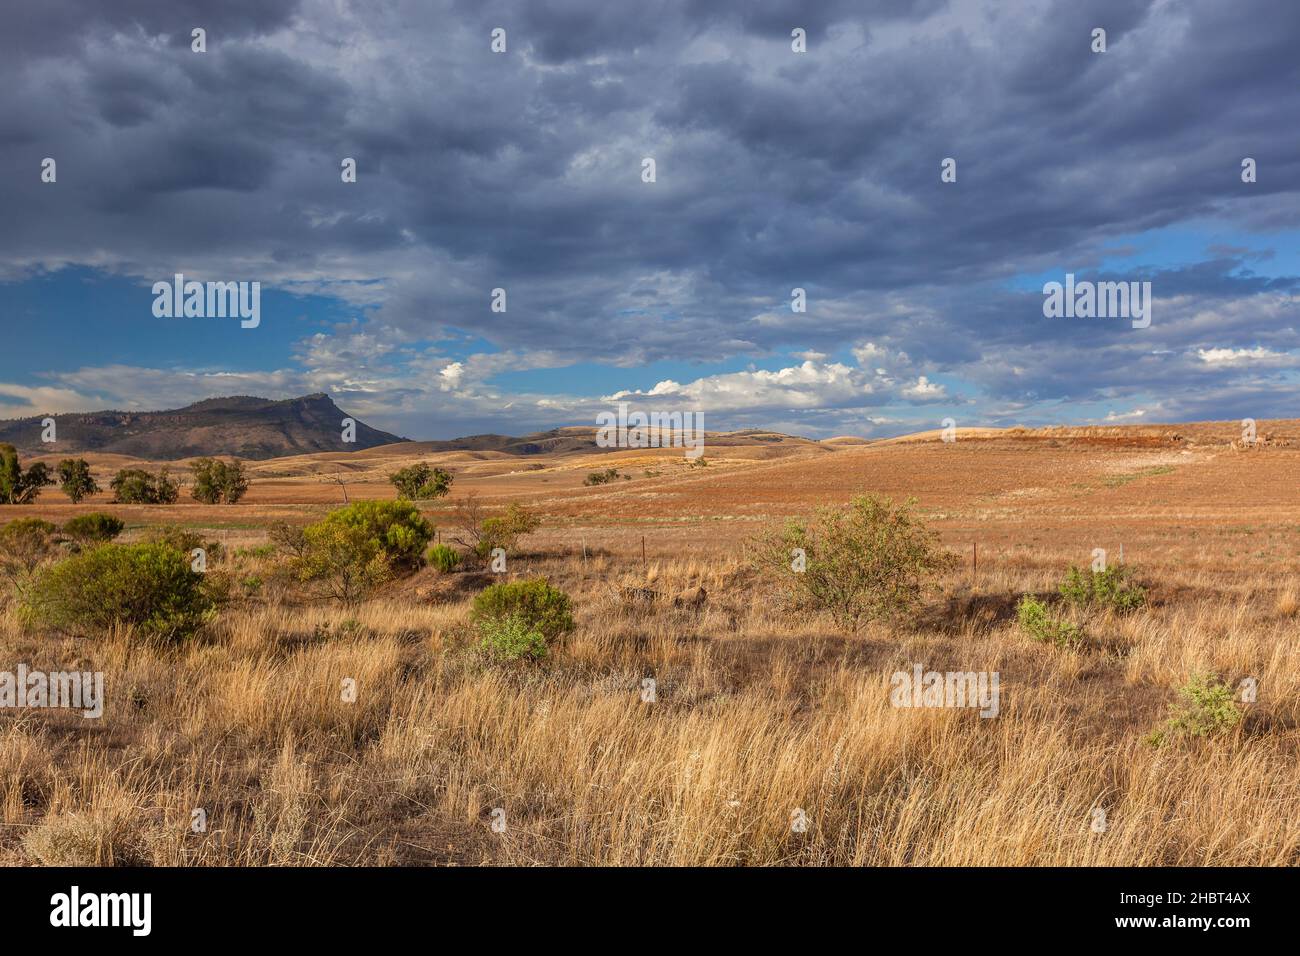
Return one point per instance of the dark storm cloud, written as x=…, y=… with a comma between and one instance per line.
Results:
x=60, y=27
x=775, y=170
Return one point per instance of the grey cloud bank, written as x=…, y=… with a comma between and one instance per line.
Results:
x=775, y=170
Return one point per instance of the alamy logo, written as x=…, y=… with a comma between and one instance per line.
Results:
x=1099, y=300
x=921, y=688
x=103, y=909
x=210, y=300
x=651, y=430
x=72, y=690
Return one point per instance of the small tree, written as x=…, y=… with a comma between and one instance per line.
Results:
x=135, y=486
x=866, y=561
x=138, y=487
x=601, y=477
x=234, y=483
x=480, y=534
x=421, y=482
x=467, y=516
x=339, y=480
x=75, y=479
x=18, y=487
x=217, y=481
x=505, y=530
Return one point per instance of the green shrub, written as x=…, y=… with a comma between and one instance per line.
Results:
x=538, y=607
x=343, y=560
x=601, y=477
x=182, y=539
x=444, y=557
x=1042, y=624
x=421, y=482
x=256, y=551
x=149, y=586
x=1206, y=708
x=1112, y=588
x=396, y=527
x=217, y=481
x=356, y=548
x=75, y=479
x=511, y=639
x=135, y=486
x=93, y=528
x=868, y=560
x=26, y=527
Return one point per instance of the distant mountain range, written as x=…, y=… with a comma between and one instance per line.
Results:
x=240, y=425
x=260, y=428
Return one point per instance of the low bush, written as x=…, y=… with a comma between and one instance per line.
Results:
x=479, y=535
x=182, y=539
x=93, y=528
x=505, y=530
x=149, y=586
x=396, y=527
x=1112, y=589
x=1206, y=708
x=444, y=557
x=511, y=639
x=1041, y=623
x=356, y=548
x=533, y=603
x=868, y=560
x=24, y=528
x=342, y=560
x=105, y=838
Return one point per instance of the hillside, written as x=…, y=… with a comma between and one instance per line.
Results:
x=239, y=425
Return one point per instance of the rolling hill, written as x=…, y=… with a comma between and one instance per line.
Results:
x=239, y=425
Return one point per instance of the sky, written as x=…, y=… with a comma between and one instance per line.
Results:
x=774, y=170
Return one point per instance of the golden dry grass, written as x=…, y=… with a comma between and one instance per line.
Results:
x=759, y=714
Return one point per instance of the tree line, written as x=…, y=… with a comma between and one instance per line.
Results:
x=213, y=481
